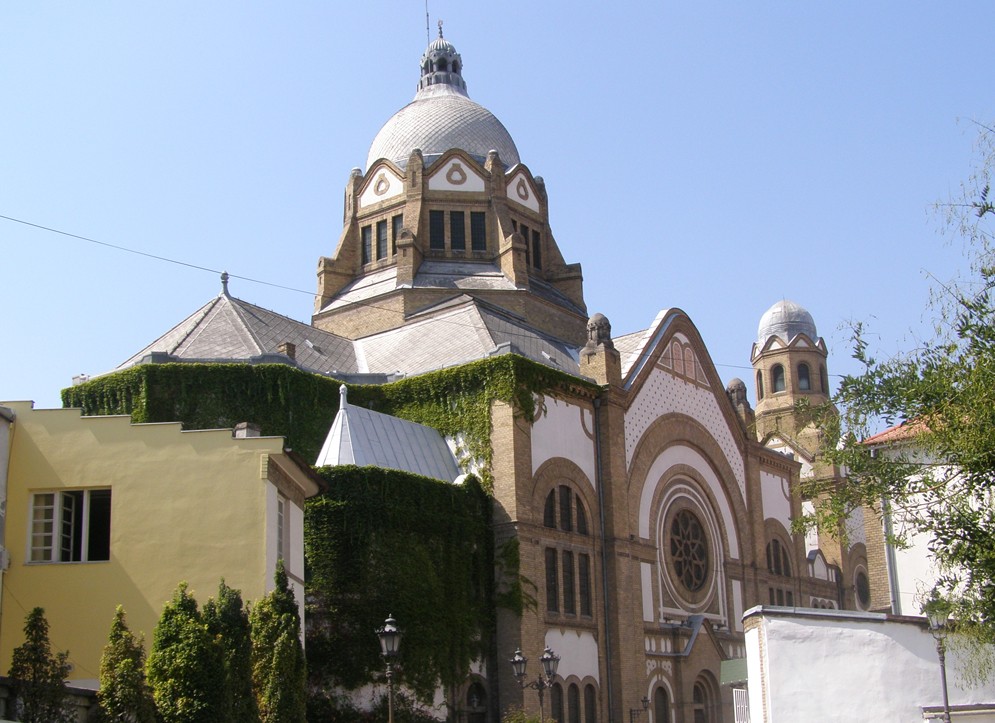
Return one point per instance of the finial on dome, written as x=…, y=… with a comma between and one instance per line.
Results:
x=440, y=27
x=224, y=283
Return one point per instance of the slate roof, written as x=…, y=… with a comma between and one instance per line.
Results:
x=232, y=330
x=363, y=437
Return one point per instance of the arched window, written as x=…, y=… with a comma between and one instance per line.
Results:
x=862, y=588
x=442, y=65
x=760, y=386
x=581, y=519
x=476, y=703
x=549, y=514
x=689, y=550
x=701, y=702
x=566, y=509
x=779, y=563
x=573, y=704
x=804, y=383
x=590, y=704
x=823, y=380
x=777, y=378
x=661, y=706
x=556, y=703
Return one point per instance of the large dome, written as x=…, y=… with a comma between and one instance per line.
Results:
x=442, y=117
x=786, y=319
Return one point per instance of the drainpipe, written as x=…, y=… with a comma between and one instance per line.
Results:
x=599, y=482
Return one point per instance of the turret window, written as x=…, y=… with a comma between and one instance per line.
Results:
x=760, y=386
x=823, y=380
x=396, y=223
x=804, y=382
x=777, y=378
x=478, y=231
x=366, y=243
x=381, y=240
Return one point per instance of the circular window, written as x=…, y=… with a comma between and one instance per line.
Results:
x=689, y=550
x=863, y=586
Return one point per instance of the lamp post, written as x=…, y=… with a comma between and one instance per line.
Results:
x=937, y=613
x=636, y=712
x=390, y=641
x=550, y=661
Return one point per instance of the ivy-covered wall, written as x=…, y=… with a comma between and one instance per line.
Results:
x=301, y=406
x=382, y=542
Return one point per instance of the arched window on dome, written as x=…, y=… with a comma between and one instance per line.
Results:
x=777, y=378
x=441, y=65
x=760, y=386
x=804, y=381
x=455, y=66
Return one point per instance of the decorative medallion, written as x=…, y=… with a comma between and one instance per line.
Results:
x=456, y=175
x=382, y=185
x=522, y=189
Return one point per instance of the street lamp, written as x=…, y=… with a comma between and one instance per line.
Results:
x=937, y=611
x=550, y=661
x=390, y=641
x=636, y=712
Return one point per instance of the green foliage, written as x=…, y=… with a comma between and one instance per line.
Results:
x=380, y=542
x=279, y=671
x=124, y=694
x=326, y=707
x=517, y=715
x=301, y=406
x=185, y=667
x=39, y=675
x=228, y=623
x=939, y=481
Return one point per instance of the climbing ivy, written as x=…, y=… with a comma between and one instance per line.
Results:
x=300, y=405
x=382, y=542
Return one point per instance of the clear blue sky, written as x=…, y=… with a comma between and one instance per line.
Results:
x=715, y=157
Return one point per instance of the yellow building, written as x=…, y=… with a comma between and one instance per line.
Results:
x=102, y=512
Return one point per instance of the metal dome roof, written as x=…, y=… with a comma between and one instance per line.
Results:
x=786, y=319
x=442, y=117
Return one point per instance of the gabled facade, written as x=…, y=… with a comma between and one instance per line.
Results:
x=102, y=512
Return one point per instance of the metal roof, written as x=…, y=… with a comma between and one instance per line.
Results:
x=363, y=437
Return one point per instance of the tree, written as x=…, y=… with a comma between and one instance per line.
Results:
x=40, y=675
x=942, y=482
x=124, y=693
x=228, y=622
x=185, y=667
x=279, y=671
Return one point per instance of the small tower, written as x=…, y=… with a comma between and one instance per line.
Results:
x=789, y=365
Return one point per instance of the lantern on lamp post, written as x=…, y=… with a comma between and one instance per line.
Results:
x=938, y=613
x=390, y=641
x=550, y=661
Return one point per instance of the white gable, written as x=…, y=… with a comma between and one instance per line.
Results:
x=522, y=192
x=456, y=175
x=385, y=184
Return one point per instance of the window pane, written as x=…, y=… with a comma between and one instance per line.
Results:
x=71, y=547
x=552, y=589
x=556, y=702
x=584, y=582
x=437, y=230
x=566, y=518
x=457, y=231
x=99, y=526
x=569, y=603
x=777, y=373
x=478, y=231
x=397, y=223
x=581, y=518
x=573, y=703
x=549, y=514
x=803, y=379
x=42, y=528
x=536, y=250
x=366, y=243
x=381, y=239
x=590, y=705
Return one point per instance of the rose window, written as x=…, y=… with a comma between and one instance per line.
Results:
x=689, y=550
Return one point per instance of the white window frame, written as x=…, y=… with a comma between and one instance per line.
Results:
x=50, y=525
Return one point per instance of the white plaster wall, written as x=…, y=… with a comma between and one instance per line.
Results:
x=811, y=534
x=851, y=667
x=681, y=454
x=776, y=498
x=646, y=577
x=663, y=393
x=447, y=178
x=915, y=574
x=578, y=651
x=757, y=674
x=520, y=191
x=564, y=430
x=855, y=531
x=394, y=187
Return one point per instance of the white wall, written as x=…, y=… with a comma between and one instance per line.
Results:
x=814, y=665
